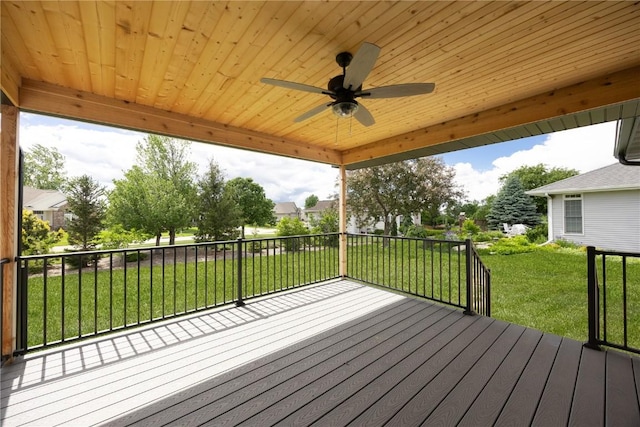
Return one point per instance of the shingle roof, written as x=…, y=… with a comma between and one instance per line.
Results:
x=613, y=177
x=42, y=200
x=283, y=208
x=322, y=205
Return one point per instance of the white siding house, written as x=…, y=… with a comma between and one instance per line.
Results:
x=599, y=208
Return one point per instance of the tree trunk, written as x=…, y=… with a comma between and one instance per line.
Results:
x=172, y=236
x=158, y=236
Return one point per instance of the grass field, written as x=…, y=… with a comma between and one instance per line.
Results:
x=547, y=290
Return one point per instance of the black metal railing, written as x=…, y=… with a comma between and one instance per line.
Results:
x=613, y=287
x=447, y=271
x=69, y=296
x=3, y=261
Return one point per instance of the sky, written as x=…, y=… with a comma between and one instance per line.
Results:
x=105, y=153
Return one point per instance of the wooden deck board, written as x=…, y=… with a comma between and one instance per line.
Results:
x=333, y=354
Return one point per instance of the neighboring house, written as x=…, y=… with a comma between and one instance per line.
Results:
x=286, y=210
x=599, y=208
x=316, y=211
x=48, y=205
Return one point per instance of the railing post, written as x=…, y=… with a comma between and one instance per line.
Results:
x=239, y=302
x=468, y=250
x=592, y=302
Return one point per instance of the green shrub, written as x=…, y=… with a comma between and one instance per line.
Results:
x=488, y=236
x=469, y=227
x=75, y=260
x=538, y=234
x=513, y=245
x=416, y=231
x=292, y=227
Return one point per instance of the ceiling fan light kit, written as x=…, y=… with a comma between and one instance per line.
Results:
x=344, y=88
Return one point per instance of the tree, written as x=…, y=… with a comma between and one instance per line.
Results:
x=329, y=222
x=85, y=199
x=310, y=201
x=536, y=176
x=386, y=191
x=512, y=206
x=292, y=227
x=43, y=168
x=157, y=193
x=254, y=206
x=37, y=237
x=218, y=214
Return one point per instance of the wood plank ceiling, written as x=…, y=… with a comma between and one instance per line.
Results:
x=192, y=69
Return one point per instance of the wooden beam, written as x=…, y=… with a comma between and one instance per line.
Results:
x=605, y=90
x=342, y=215
x=8, y=221
x=58, y=101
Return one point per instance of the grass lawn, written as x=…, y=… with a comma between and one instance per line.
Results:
x=547, y=290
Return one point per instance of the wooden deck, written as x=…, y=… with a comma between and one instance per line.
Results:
x=334, y=354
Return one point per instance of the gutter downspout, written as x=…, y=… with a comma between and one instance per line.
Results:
x=549, y=220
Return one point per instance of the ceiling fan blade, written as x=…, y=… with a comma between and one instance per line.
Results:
x=294, y=85
x=317, y=110
x=395, y=91
x=361, y=65
x=364, y=116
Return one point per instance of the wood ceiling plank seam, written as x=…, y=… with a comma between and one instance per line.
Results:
x=161, y=40
x=23, y=16
x=442, y=44
x=195, y=32
x=228, y=85
x=13, y=42
x=55, y=100
x=337, y=33
x=473, y=17
x=526, y=56
x=91, y=37
x=470, y=61
x=107, y=31
x=259, y=109
x=473, y=55
x=60, y=37
x=301, y=22
x=232, y=43
x=587, y=95
x=73, y=29
x=209, y=61
x=507, y=87
x=132, y=26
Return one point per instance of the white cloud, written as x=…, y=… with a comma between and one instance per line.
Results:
x=583, y=149
x=106, y=153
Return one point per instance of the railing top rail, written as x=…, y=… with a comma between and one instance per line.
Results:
x=4, y=260
x=615, y=253
x=429, y=239
x=147, y=248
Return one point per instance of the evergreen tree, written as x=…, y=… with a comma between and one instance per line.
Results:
x=85, y=199
x=219, y=216
x=513, y=206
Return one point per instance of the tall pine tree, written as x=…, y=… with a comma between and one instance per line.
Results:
x=513, y=206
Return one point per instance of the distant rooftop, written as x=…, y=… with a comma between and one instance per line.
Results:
x=613, y=177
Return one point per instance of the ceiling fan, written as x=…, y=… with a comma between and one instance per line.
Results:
x=345, y=88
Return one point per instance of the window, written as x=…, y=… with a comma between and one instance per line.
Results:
x=573, y=213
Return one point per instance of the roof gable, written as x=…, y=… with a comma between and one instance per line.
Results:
x=609, y=178
x=42, y=200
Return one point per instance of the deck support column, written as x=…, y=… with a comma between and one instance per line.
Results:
x=9, y=157
x=342, y=213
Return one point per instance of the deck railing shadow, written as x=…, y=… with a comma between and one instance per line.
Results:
x=73, y=359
